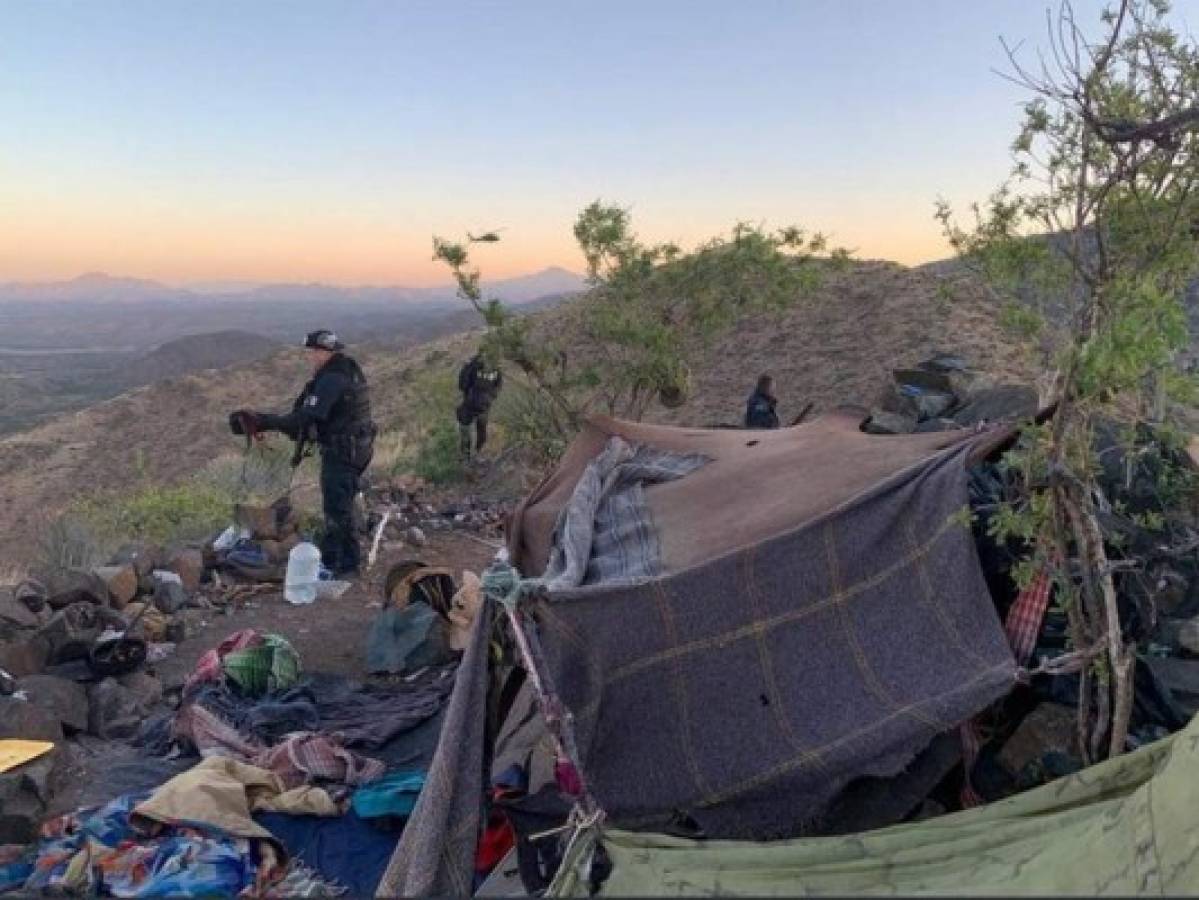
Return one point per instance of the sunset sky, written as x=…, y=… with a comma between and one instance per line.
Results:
x=304, y=141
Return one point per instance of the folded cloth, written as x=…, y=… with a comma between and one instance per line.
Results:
x=392, y=795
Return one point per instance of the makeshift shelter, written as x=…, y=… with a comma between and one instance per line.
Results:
x=739, y=623
x=805, y=607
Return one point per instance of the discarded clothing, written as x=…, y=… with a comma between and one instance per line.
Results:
x=605, y=534
x=394, y=794
x=301, y=758
x=405, y=639
x=97, y=851
x=436, y=853
x=346, y=850
x=301, y=881
x=318, y=757
x=371, y=716
x=256, y=663
x=267, y=718
x=219, y=794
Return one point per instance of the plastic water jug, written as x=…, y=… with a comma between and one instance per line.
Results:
x=303, y=568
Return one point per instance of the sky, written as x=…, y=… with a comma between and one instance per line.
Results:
x=328, y=141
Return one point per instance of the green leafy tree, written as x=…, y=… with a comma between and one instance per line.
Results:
x=648, y=309
x=1090, y=244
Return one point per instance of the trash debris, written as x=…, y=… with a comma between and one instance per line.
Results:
x=15, y=752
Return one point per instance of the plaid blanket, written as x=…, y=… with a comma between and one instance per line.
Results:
x=605, y=533
x=748, y=690
x=299, y=759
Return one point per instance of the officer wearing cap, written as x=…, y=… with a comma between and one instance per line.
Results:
x=334, y=411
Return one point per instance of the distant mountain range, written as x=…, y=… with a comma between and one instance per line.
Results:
x=98, y=287
x=98, y=312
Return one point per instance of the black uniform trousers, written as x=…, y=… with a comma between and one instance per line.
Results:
x=339, y=487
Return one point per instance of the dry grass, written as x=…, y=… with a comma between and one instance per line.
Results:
x=835, y=347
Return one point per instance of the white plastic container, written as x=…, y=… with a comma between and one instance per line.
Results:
x=303, y=567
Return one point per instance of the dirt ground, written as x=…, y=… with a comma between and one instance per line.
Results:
x=330, y=636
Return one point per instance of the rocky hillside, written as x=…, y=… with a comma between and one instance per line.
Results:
x=838, y=346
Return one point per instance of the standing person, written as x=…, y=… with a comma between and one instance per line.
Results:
x=479, y=382
x=760, y=408
x=334, y=410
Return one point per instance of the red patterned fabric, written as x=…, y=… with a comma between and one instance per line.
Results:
x=1024, y=619
x=1022, y=626
x=209, y=666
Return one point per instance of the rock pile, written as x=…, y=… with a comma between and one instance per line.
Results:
x=943, y=393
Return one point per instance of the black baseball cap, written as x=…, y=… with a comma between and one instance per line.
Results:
x=323, y=339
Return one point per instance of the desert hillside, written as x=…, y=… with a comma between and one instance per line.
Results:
x=834, y=347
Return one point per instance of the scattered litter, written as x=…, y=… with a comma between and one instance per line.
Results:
x=16, y=752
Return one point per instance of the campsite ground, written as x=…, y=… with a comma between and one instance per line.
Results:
x=330, y=637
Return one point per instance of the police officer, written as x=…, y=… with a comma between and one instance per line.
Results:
x=334, y=411
x=760, y=407
x=479, y=383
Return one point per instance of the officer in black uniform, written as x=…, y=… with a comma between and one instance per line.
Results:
x=479, y=383
x=334, y=411
x=760, y=407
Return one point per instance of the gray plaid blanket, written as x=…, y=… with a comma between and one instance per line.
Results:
x=605, y=534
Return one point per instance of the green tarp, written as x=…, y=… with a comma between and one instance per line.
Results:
x=1128, y=826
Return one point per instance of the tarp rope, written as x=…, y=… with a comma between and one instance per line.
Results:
x=502, y=582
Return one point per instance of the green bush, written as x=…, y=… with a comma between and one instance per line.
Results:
x=162, y=515
x=438, y=457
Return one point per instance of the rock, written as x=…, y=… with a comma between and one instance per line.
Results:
x=189, y=566
x=169, y=594
x=16, y=613
x=25, y=655
x=933, y=405
x=71, y=631
x=1005, y=402
x=59, y=696
x=122, y=584
x=1181, y=676
x=76, y=586
x=116, y=712
x=944, y=362
x=25, y=793
x=144, y=558
x=143, y=685
x=151, y=624
x=933, y=425
x=28, y=720
x=925, y=379
x=1050, y=728
x=883, y=422
x=32, y=594
x=415, y=537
